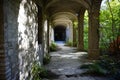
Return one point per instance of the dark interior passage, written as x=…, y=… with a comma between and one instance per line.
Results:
x=60, y=33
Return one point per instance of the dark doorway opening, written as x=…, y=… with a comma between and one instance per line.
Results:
x=60, y=33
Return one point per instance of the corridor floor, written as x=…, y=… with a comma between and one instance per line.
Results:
x=66, y=63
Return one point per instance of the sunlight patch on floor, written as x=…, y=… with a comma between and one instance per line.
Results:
x=73, y=55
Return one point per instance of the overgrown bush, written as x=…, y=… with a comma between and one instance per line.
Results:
x=104, y=66
x=38, y=71
x=46, y=59
x=53, y=46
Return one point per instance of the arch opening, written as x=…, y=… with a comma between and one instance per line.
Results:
x=60, y=33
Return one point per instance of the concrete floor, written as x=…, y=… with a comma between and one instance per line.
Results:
x=66, y=63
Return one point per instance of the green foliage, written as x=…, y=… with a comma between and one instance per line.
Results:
x=53, y=46
x=69, y=43
x=110, y=23
x=46, y=59
x=96, y=68
x=86, y=31
x=105, y=66
x=38, y=71
x=75, y=24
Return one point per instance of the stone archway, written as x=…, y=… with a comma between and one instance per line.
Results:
x=75, y=7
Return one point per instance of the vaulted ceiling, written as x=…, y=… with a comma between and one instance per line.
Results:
x=64, y=11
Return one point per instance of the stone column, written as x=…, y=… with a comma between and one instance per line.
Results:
x=40, y=34
x=93, y=33
x=48, y=33
x=2, y=52
x=71, y=31
x=81, y=29
x=74, y=36
x=51, y=34
x=40, y=25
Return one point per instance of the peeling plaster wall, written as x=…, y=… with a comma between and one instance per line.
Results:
x=21, y=40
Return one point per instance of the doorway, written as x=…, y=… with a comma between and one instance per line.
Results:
x=60, y=33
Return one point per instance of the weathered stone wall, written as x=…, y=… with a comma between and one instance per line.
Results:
x=27, y=38
x=21, y=40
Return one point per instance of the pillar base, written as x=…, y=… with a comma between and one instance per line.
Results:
x=93, y=54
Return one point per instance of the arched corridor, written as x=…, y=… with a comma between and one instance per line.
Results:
x=29, y=27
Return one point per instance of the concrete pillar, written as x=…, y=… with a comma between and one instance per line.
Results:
x=74, y=35
x=81, y=29
x=2, y=52
x=93, y=33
